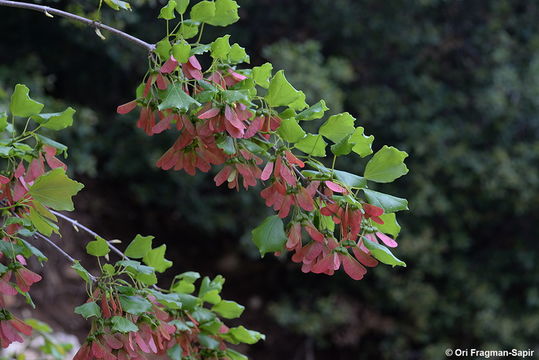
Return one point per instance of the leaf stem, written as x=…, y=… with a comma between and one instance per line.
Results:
x=92, y=23
x=200, y=34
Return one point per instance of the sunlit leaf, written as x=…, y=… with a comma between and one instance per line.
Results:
x=21, y=104
x=54, y=189
x=386, y=165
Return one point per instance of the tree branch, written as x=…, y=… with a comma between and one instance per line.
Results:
x=52, y=11
x=89, y=231
x=60, y=250
x=94, y=234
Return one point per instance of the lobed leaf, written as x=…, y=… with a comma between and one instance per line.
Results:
x=269, y=236
x=21, y=104
x=386, y=165
x=54, y=189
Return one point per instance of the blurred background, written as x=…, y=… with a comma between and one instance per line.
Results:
x=454, y=83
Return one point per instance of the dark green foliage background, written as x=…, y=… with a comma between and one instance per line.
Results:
x=454, y=83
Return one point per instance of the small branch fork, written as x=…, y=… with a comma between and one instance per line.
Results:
x=95, y=24
x=61, y=251
x=76, y=224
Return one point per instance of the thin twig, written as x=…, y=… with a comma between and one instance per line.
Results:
x=95, y=24
x=43, y=237
x=94, y=234
x=321, y=194
x=60, y=250
x=89, y=231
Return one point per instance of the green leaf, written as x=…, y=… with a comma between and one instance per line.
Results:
x=203, y=11
x=313, y=145
x=287, y=114
x=21, y=104
x=343, y=147
x=316, y=111
x=88, y=310
x=122, y=325
x=220, y=48
x=6, y=151
x=181, y=6
x=23, y=150
x=56, y=121
x=3, y=269
x=212, y=327
x=228, y=309
x=172, y=301
x=3, y=121
x=39, y=325
x=234, y=355
x=211, y=297
x=175, y=352
x=167, y=12
x=299, y=104
x=98, y=247
x=43, y=211
x=162, y=48
x=199, y=50
x=181, y=52
x=205, y=96
x=350, y=180
x=42, y=224
x=183, y=287
x=390, y=225
x=228, y=145
x=83, y=273
x=118, y=4
x=262, y=74
x=280, y=91
x=54, y=189
x=232, y=96
x=156, y=259
x=387, y=202
x=109, y=270
x=208, y=285
x=362, y=143
x=176, y=98
x=189, y=302
x=189, y=276
x=10, y=249
x=226, y=13
x=338, y=127
x=135, y=305
x=382, y=253
x=142, y=273
x=243, y=335
x=29, y=250
x=290, y=130
x=386, y=165
x=208, y=342
x=238, y=55
x=45, y=140
x=326, y=222
x=203, y=315
x=188, y=29
x=269, y=236
x=139, y=246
